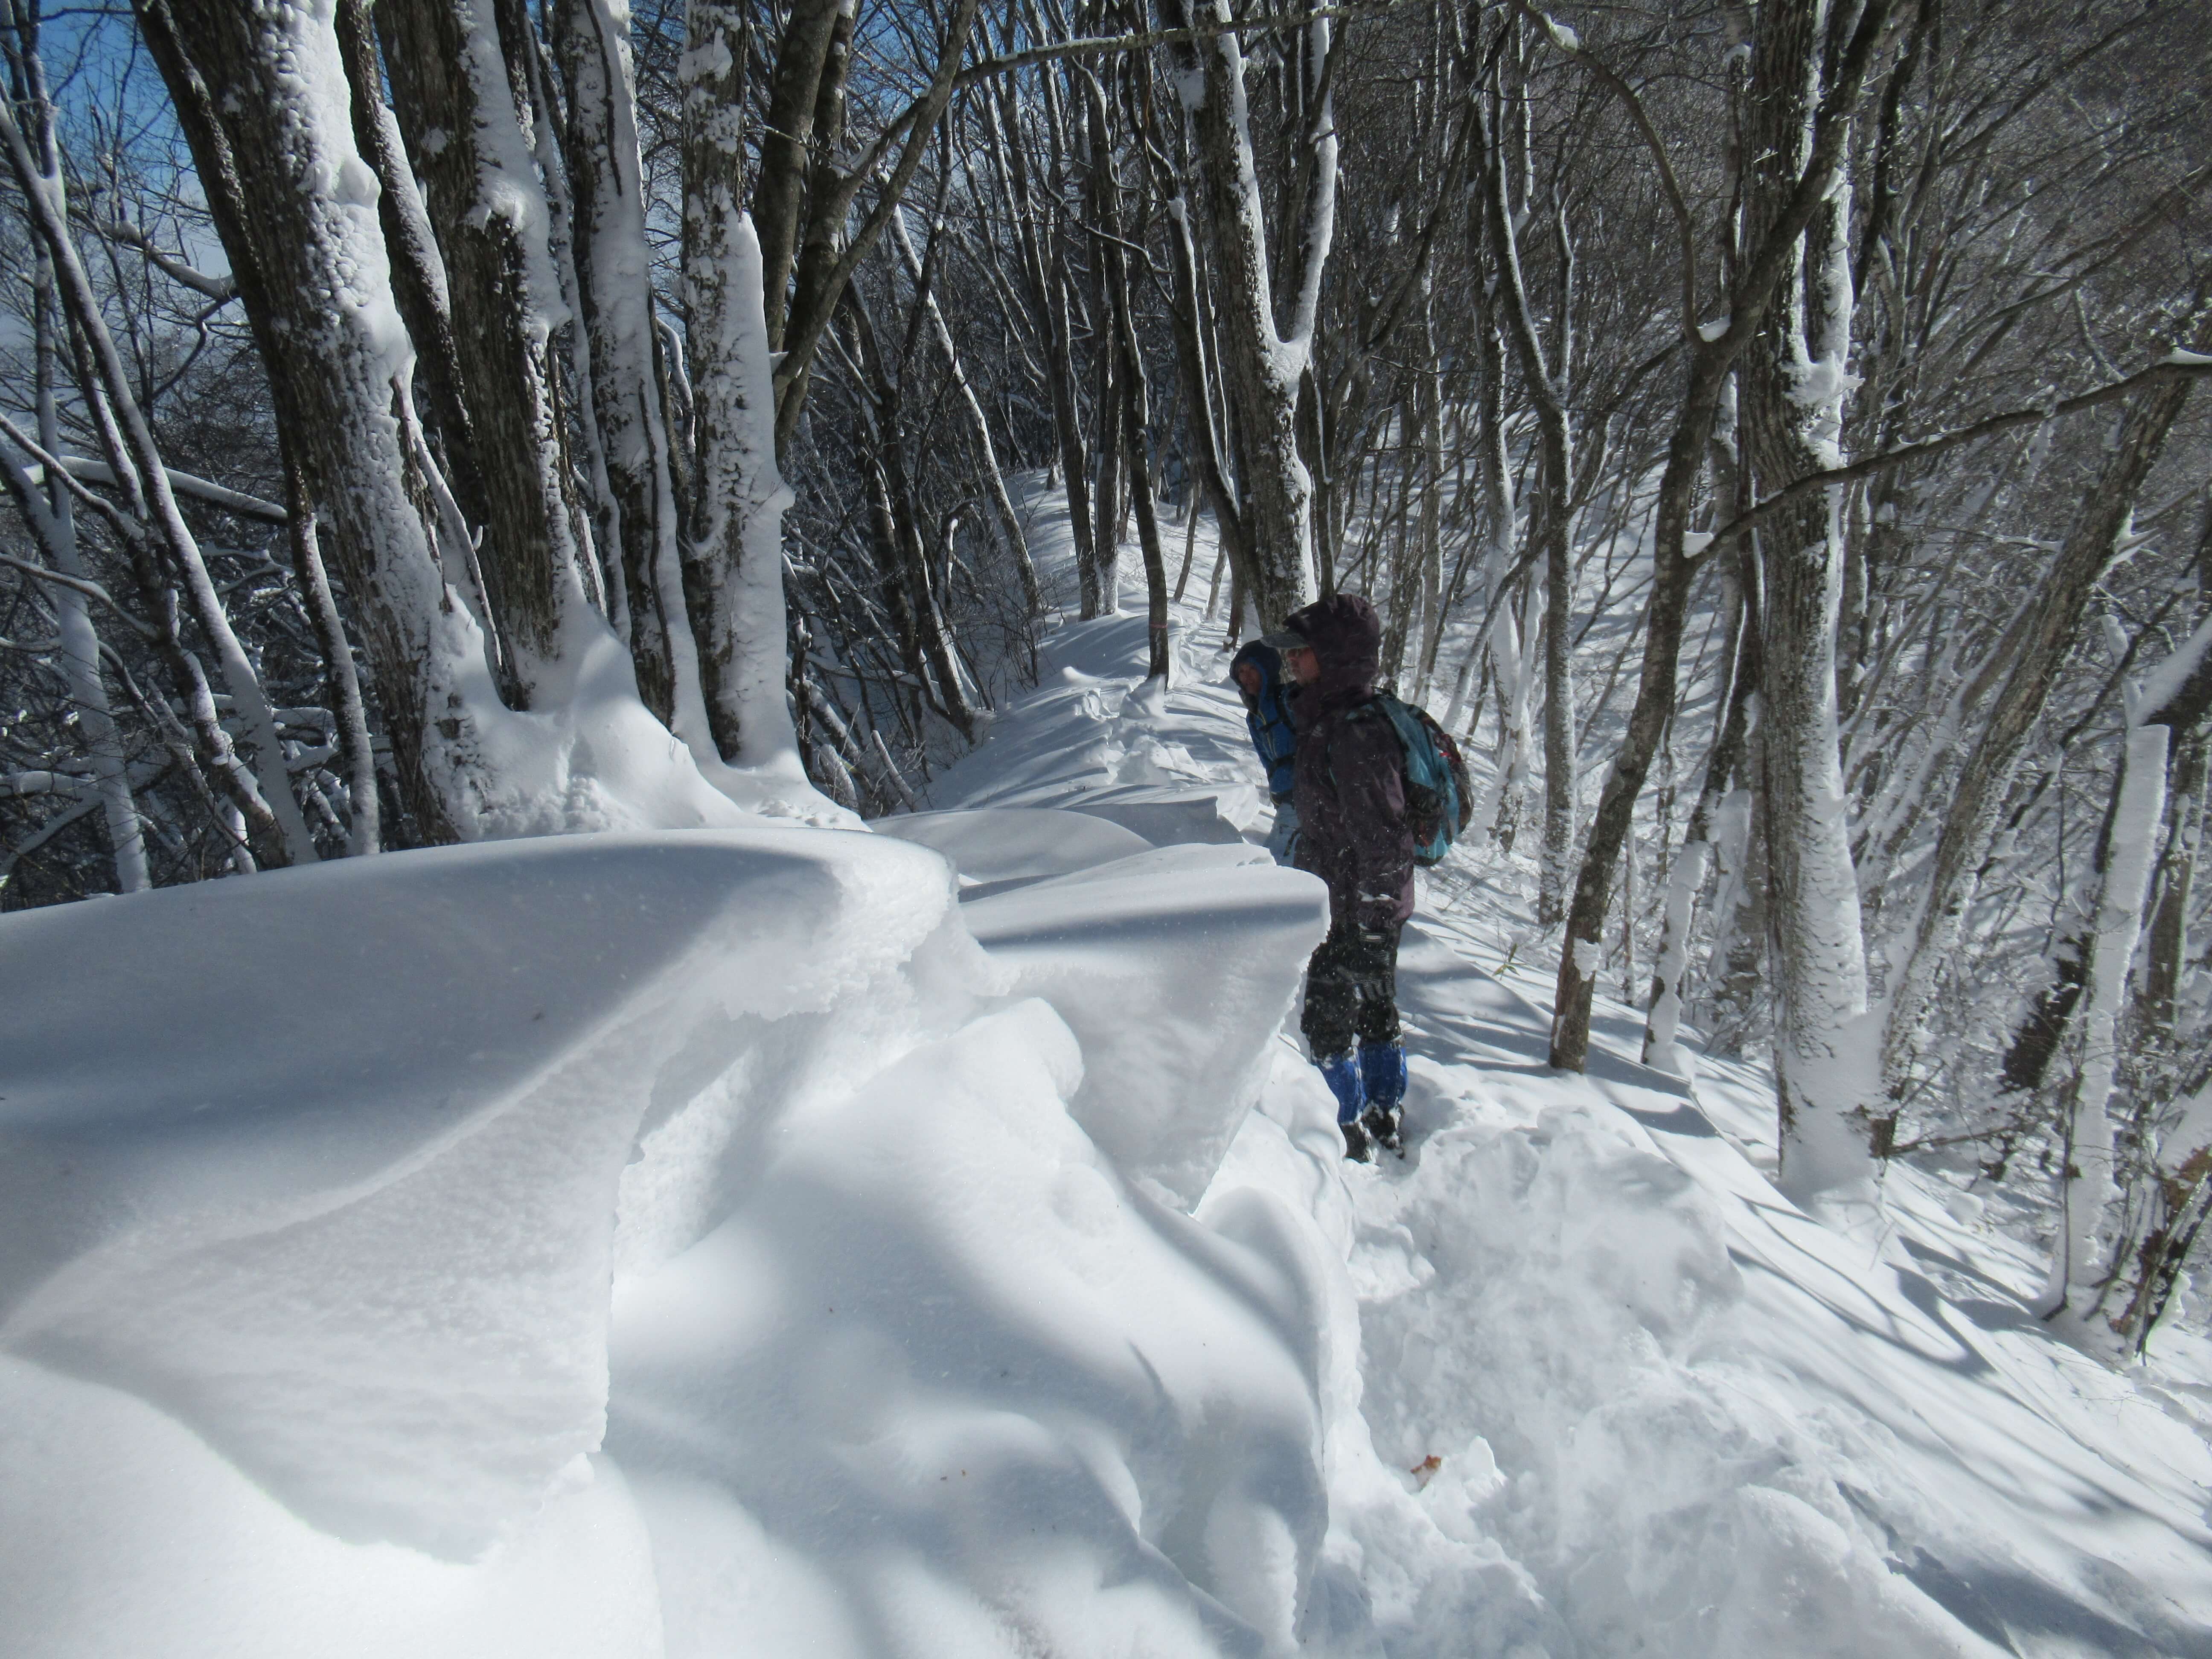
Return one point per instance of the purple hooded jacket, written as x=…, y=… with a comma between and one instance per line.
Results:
x=1350, y=789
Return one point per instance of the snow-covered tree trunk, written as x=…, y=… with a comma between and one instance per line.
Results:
x=1265, y=362
x=738, y=519
x=1794, y=384
x=613, y=266
x=309, y=255
x=417, y=268
x=458, y=70
x=2086, y=1185
x=1734, y=985
x=2179, y=696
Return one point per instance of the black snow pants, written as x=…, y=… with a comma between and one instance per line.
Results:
x=1352, y=990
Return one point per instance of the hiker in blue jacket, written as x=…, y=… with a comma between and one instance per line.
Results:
x=1265, y=687
x=1356, y=836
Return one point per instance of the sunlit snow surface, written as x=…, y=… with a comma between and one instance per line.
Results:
x=789, y=1242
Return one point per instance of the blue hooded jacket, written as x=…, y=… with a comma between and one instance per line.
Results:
x=1267, y=716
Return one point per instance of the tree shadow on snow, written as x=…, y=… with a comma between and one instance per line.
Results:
x=2022, y=1614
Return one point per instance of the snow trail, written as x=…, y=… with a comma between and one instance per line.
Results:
x=1616, y=1355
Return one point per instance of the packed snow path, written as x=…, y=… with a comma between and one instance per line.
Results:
x=1701, y=1422
x=986, y=1279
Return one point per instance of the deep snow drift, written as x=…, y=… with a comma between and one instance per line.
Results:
x=926, y=1242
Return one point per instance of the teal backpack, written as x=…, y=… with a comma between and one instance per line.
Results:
x=1439, y=794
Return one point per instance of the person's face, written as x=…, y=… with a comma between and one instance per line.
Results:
x=1304, y=666
x=1248, y=676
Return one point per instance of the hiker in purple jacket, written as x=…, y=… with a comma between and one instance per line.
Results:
x=1350, y=796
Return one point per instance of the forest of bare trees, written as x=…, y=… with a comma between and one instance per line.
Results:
x=1767, y=431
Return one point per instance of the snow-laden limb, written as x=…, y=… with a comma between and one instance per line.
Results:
x=2180, y=676
x=85, y=470
x=346, y=1210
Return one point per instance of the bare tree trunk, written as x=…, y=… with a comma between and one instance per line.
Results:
x=1044, y=281
x=356, y=750
x=2172, y=1207
x=1196, y=366
x=1433, y=599
x=932, y=654
x=1548, y=527
x=2168, y=952
x=1136, y=400
x=828, y=256
x=1007, y=520
x=815, y=49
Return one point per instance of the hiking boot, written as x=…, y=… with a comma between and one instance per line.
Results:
x=1381, y=1129
x=1357, y=1146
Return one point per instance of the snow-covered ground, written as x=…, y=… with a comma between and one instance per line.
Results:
x=811, y=1243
